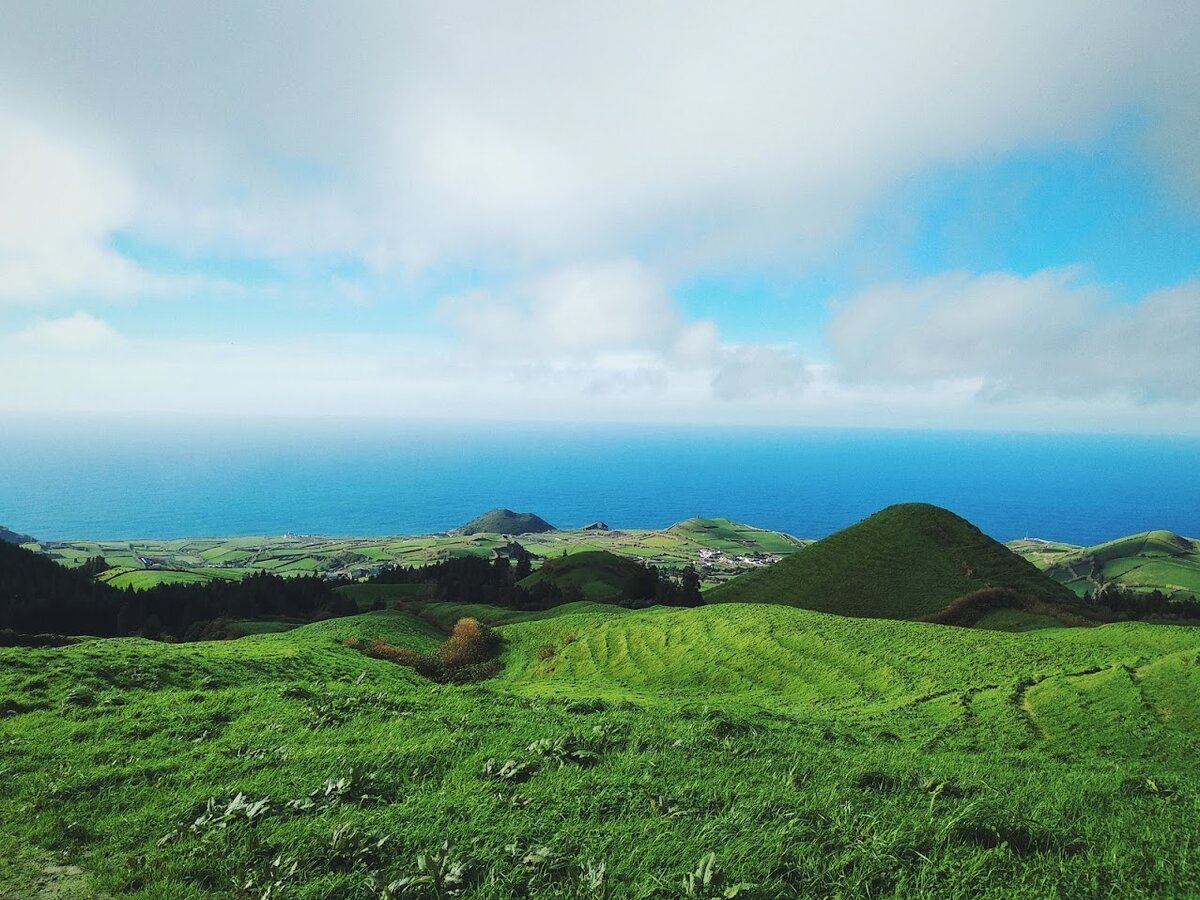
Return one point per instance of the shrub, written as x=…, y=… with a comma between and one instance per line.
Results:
x=470, y=642
x=968, y=609
x=468, y=654
x=545, y=652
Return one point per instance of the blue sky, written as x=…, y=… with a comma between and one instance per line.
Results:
x=940, y=216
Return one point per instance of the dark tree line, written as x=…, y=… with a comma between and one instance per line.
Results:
x=1142, y=605
x=469, y=579
x=39, y=595
x=652, y=585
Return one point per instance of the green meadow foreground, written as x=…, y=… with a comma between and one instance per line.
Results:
x=748, y=750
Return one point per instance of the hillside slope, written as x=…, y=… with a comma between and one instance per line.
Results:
x=597, y=574
x=1148, y=561
x=505, y=521
x=903, y=562
x=809, y=754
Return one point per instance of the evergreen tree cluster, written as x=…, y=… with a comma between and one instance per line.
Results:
x=39, y=595
x=496, y=582
x=470, y=579
x=1142, y=604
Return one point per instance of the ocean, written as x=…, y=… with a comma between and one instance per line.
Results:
x=112, y=478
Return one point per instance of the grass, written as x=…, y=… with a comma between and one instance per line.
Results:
x=906, y=561
x=1151, y=560
x=1016, y=620
x=650, y=751
x=123, y=577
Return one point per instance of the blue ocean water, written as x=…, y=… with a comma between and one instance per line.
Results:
x=97, y=478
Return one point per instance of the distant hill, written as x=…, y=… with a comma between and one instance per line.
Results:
x=904, y=562
x=505, y=521
x=8, y=536
x=1148, y=561
x=596, y=574
x=733, y=537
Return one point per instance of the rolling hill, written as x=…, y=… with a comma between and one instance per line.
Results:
x=776, y=752
x=904, y=562
x=505, y=521
x=598, y=575
x=1149, y=561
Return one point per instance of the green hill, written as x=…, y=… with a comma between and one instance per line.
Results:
x=1149, y=561
x=597, y=575
x=733, y=537
x=505, y=521
x=618, y=754
x=904, y=562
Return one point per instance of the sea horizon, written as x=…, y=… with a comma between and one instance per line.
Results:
x=118, y=478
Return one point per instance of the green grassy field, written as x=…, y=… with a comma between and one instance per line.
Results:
x=1151, y=560
x=905, y=561
x=809, y=754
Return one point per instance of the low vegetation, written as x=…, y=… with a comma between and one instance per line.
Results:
x=747, y=750
x=468, y=653
x=443, y=747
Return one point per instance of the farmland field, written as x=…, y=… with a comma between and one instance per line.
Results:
x=1152, y=560
x=718, y=547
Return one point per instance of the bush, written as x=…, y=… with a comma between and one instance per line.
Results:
x=468, y=654
x=470, y=642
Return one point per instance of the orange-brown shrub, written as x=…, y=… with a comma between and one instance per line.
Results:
x=470, y=642
x=468, y=654
x=545, y=652
x=968, y=609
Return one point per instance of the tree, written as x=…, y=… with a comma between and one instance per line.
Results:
x=689, y=587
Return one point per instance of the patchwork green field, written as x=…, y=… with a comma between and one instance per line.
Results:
x=1152, y=560
x=746, y=750
x=718, y=548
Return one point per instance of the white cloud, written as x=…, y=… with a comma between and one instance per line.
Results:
x=755, y=371
x=79, y=363
x=579, y=312
x=59, y=202
x=1050, y=334
x=604, y=341
x=506, y=133
x=76, y=332
x=615, y=326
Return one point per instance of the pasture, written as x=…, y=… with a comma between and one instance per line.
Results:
x=732, y=750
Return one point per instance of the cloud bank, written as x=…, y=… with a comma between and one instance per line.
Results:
x=586, y=161
x=414, y=134
x=1049, y=334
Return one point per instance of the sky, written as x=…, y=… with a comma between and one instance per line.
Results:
x=981, y=215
